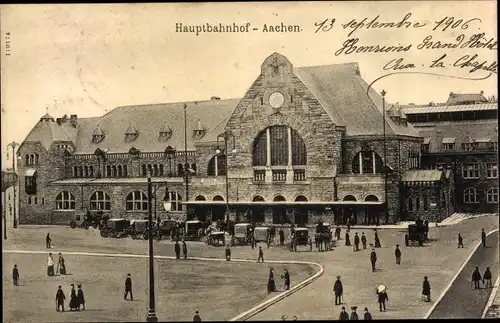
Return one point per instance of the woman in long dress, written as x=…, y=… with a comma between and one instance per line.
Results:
x=347, y=239
x=61, y=265
x=50, y=265
x=271, y=285
x=73, y=303
x=377, y=240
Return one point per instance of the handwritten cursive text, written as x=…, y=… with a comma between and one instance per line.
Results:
x=403, y=23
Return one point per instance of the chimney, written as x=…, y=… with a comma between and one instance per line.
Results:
x=73, y=120
x=59, y=121
x=481, y=92
x=451, y=94
x=215, y=98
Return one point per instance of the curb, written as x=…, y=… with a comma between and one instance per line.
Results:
x=243, y=316
x=493, y=295
x=456, y=276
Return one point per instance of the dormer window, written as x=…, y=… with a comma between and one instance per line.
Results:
x=165, y=132
x=98, y=135
x=199, y=130
x=131, y=133
x=448, y=143
x=426, y=145
x=468, y=146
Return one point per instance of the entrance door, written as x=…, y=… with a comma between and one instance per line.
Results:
x=201, y=213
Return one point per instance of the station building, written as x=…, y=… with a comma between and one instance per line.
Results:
x=301, y=145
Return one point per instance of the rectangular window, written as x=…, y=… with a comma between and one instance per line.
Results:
x=467, y=146
x=470, y=170
x=426, y=206
x=417, y=203
x=492, y=195
x=492, y=170
x=29, y=199
x=425, y=148
x=43, y=201
x=410, y=204
x=35, y=200
x=448, y=146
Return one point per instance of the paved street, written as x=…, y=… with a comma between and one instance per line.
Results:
x=462, y=301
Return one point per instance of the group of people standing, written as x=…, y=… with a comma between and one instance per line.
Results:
x=77, y=299
x=53, y=270
x=271, y=284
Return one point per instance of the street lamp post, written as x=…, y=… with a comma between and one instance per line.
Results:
x=226, y=135
x=13, y=145
x=383, y=93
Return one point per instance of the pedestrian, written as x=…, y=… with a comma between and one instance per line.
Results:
x=48, y=241
x=128, y=288
x=368, y=315
x=268, y=241
x=348, y=225
x=286, y=278
x=80, y=297
x=347, y=239
x=363, y=240
x=15, y=275
x=60, y=297
x=382, y=298
x=338, y=290
x=271, y=285
x=177, y=249
x=487, y=278
x=73, y=301
x=476, y=278
x=261, y=255
x=356, y=242
x=460, y=241
x=50, y=265
x=426, y=290
x=61, y=265
x=253, y=242
x=343, y=315
x=373, y=259
x=354, y=315
x=282, y=237
x=196, y=317
x=184, y=249
x=483, y=238
x=228, y=254
x=397, y=253
x=337, y=232
x=377, y=240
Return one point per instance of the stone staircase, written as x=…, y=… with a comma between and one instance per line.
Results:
x=459, y=217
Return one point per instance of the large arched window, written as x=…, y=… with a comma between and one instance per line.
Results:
x=218, y=198
x=137, y=201
x=350, y=198
x=286, y=147
x=492, y=195
x=470, y=195
x=371, y=198
x=100, y=201
x=367, y=162
x=176, y=200
x=258, y=198
x=65, y=201
x=217, y=166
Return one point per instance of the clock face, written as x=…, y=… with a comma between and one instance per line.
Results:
x=276, y=100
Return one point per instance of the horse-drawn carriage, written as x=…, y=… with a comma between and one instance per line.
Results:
x=138, y=229
x=193, y=230
x=242, y=234
x=416, y=234
x=85, y=219
x=262, y=234
x=165, y=229
x=301, y=238
x=216, y=238
x=115, y=228
x=323, y=235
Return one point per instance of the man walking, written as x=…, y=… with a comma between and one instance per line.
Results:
x=483, y=238
x=60, y=297
x=476, y=278
x=338, y=290
x=80, y=297
x=397, y=253
x=261, y=255
x=15, y=275
x=184, y=249
x=128, y=288
x=228, y=254
x=426, y=290
x=177, y=249
x=48, y=240
x=343, y=315
x=487, y=278
x=363, y=240
x=368, y=315
x=373, y=259
x=460, y=241
x=382, y=298
x=356, y=242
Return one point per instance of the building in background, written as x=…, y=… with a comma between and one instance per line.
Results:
x=9, y=178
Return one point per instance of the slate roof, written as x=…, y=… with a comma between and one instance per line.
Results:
x=421, y=175
x=345, y=97
x=457, y=98
x=46, y=131
x=462, y=131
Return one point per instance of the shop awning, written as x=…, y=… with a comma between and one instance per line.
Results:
x=422, y=176
x=285, y=203
x=30, y=172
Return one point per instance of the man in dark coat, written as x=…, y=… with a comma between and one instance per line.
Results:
x=177, y=249
x=338, y=290
x=368, y=315
x=261, y=255
x=343, y=315
x=397, y=253
x=377, y=240
x=382, y=298
x=347, y=239
x=286, y=277
x=487, y=278
x=460, y=241
x=363, y=240
x=354, y=315
x=196, y=317
x=15, y=275
x=282, y=237
x=80, y=297
x=228, y=254
x=60, y=297
x=483, y=238
x=184, y=249
x=73, y=302
x=356, y=242
x=48, y=240
x=476, y=278
x=337, y=232
x=426, y=290
x=373, y=259
x=128, y=288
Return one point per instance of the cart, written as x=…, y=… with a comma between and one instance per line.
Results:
x=416, y=235
x=80, y=220
x=216, y=238
x=138, y=229
x=193, y=230
x=261, y=234
x=242, y=234
x=115, y=228
x=301, y=238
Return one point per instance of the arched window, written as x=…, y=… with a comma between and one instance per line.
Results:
x=27, y=157
x=258, y=198
x=279, y=212
x=75, y=171
x=80, y=170
x=180, y=170
x=301, y=198
x=258, y=212
x=32, y=159
x=367, y=162
x=218, y=198
x=150, y=170
x=36, y=159
x=65, y=201
x=113, y=168
x=200, y=198
x=279, y=198
x=283, y=141
x=492, y=195
x=125, y=171
x=193, y=167
x=91, y=171
x=176, y=200
x=136, y=201
x=161, y=170
x=349, y=198
x=144, y=170
x=302, y=214
x=86, y=169
x=119, y=170
x=217, y=166
x=371, y=198
x=100, y=201
x=108, y=171
x=470, y=195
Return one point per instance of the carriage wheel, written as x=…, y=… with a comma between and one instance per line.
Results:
x=72, y=224
x=145, y=235
x=104, y=234
x=85, y=225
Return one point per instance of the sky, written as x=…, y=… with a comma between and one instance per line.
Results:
x=89, y=59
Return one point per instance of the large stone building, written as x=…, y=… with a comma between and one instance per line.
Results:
x=305, y=144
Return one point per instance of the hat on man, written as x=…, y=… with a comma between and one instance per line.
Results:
x=72, y=285
x=196, y=312
x=79, y=285
x=354, y=308
x=425, y=277
x=343, y=307
x=366, y=309
x=338, y=277
x=128, y=274
x=397, y=245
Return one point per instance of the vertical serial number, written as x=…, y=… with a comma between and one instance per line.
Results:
x=7, y=44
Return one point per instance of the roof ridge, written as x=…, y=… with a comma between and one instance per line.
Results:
x=326, y=65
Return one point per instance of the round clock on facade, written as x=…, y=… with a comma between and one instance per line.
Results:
x=276, y=100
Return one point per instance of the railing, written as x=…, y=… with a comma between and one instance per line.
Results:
x=259, y=175
x=299, y=175
x=279, y=175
